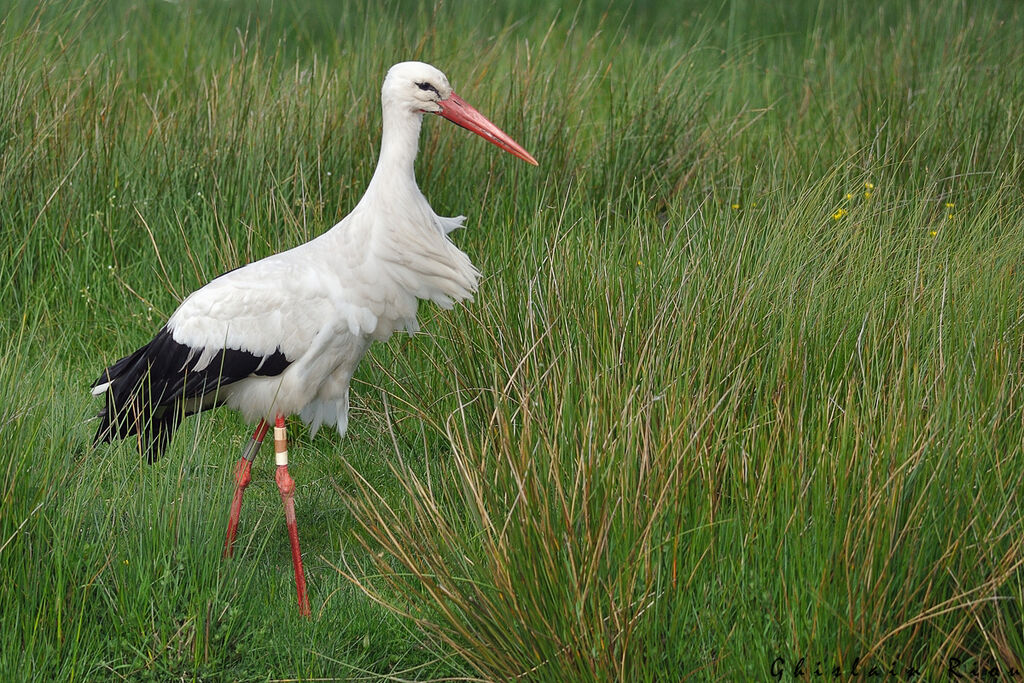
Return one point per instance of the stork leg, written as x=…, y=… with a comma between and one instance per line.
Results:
x=242, y=477
x=287, y=488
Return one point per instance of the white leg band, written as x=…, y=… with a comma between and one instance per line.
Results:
x=280, y=436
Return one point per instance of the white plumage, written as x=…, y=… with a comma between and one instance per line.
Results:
x=284, y=335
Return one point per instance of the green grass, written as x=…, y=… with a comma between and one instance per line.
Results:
x=744, y=381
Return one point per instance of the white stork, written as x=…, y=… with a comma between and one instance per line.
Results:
x=283, y=335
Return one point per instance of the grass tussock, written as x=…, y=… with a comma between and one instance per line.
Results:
x=742, y=384
x=666, y=495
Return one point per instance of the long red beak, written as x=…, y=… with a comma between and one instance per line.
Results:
x=458, y=111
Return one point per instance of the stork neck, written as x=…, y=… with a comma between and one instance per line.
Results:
x=398, y=147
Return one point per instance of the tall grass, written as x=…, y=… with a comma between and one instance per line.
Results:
x=667, y=495
x=742, y=384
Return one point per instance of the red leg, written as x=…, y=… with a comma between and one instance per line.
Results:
x=287, y=488
x=242, y=478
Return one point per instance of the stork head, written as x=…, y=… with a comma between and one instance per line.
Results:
x=422, y=89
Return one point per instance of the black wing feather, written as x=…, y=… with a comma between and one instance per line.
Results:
x=148, y=389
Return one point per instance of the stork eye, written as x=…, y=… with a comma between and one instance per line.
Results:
x=426, y=87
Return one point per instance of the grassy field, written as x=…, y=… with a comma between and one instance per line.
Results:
x=741, y=395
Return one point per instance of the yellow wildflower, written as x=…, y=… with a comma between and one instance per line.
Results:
x=839, y=214
x=735, y=206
